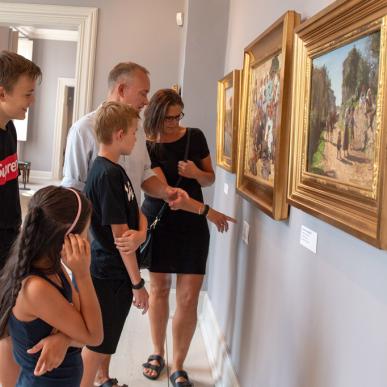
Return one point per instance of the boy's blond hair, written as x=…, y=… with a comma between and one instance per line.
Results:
x=12, y=66
x=111, y=117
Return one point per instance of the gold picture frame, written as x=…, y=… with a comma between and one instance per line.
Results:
x=265, y=118
x=337, y=170
x=228, y=120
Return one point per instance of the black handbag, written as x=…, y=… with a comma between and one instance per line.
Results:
x=144, y=255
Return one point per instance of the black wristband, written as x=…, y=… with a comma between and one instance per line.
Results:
x=140, y=285
x=206, y=209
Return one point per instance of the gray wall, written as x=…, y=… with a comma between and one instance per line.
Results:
x=146, y=32
x=56, y=60
x=292, y=318
x=203, y=66
x=142, y=31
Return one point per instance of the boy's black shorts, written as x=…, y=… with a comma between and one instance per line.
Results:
x=115, y=298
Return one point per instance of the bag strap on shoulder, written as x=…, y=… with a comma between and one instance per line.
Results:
x=164, y=207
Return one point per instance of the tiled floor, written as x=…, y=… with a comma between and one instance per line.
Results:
x=135, y=344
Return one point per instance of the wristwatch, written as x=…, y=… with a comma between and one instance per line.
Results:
x=140, y=285
x=205, y=210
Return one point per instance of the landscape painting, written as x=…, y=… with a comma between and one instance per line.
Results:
x=341, y=140
x=263, y=120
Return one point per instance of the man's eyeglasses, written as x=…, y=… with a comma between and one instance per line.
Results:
x=174, y=118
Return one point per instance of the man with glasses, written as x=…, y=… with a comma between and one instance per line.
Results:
x=128, y=83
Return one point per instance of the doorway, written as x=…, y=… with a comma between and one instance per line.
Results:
x=64, y=117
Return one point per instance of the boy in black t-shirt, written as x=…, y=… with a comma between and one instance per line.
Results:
x=116, y=276
x=18, y=77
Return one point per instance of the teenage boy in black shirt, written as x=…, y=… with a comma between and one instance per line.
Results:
x=116, y=276
x=18, y=77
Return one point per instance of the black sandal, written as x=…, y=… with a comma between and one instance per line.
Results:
x=180, y=374
x=154, y=367
x=112, y=382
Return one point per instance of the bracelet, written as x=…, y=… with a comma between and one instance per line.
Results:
x=206, y=209
x=201, y=209
x=140, y=285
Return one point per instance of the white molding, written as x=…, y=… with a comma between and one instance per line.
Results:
x=82, y=19
x=48, y=34
x=40, y=175
x=220, y=362
x=57, y=159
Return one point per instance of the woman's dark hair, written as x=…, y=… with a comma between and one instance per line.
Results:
x=156, y=111
x=51, y=213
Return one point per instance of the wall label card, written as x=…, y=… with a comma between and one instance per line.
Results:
x=308, y=239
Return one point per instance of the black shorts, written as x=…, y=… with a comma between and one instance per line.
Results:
x=115, y=298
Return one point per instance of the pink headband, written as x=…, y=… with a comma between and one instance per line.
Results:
x=78, y=213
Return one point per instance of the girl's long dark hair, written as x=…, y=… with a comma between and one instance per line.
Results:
x=51, y=212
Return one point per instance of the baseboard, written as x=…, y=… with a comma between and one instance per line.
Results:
x=36, y=174
x=222, y=369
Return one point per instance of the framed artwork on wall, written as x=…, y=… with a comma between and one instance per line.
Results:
x=228, y=120
x=338, y=142
x=265, y=118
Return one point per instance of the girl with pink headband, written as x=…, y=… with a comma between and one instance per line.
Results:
x=37, y=297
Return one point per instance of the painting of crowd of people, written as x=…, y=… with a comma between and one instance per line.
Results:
x=262, y=120
x=228, y=124
x=342, y=116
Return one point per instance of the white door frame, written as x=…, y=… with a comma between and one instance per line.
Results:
x=82, y=19
x=57, y=159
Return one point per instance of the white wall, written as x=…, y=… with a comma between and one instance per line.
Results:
x=56, y=59
x=291, y=318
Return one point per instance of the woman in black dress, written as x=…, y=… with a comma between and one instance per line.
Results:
x=182, y=238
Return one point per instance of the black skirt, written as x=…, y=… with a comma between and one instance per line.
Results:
x=180, y=243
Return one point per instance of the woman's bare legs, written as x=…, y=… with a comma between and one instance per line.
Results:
x=184, y=321
x=9, y=370
x=160, y=285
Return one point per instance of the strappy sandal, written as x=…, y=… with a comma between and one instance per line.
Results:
x=154, y=367
x=180, y=374
x=111, y=383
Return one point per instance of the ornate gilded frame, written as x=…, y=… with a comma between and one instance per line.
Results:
x=358, y=211
x=231, y=80
x=276, y=40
